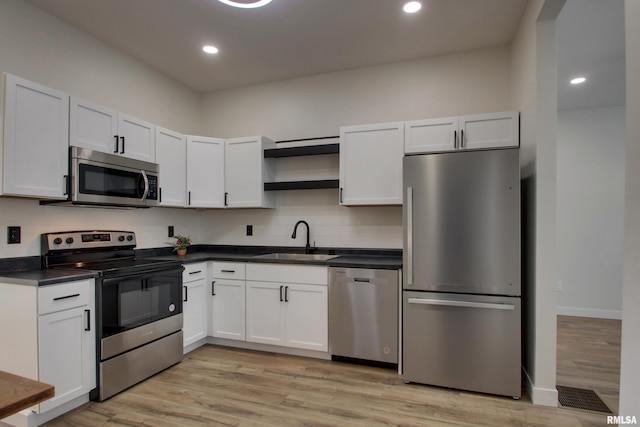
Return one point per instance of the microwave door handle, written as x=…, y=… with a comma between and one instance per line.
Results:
x=146, y=186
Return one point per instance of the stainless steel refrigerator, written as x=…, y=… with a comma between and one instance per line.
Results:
x=461, y=287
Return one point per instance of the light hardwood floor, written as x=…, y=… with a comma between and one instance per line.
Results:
x=589, y=356
x=222, y=386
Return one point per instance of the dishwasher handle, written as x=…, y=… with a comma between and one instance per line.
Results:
x=466, y=304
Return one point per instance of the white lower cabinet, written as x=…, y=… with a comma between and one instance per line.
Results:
x=228, y=301
x=287, y=306
x=194, y=303
x=48, y=335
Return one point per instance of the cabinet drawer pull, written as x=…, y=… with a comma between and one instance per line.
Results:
x=66, y=297
x=361, y=280
x=195, y=272
x=228, y=271
x=88, y=312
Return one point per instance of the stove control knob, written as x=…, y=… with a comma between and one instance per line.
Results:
x=129, y=238
x=69, y=240
x=57, y=241
x=121, y=239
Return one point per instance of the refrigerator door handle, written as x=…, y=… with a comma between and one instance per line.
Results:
x=409, y=236
x=467, y=304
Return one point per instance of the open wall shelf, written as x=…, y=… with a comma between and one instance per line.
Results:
x=302, y=151
x=301, y=185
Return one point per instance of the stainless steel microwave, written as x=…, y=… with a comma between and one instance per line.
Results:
x=108, y=180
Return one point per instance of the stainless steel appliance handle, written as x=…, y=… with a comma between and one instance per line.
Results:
x=146, y=185
x=467, y=304
x=409, y=236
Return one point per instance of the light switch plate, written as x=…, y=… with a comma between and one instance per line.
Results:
x=13, y=235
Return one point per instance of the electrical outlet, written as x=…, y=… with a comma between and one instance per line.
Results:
x=170, y=232
x=249, y=230
x=13, y=235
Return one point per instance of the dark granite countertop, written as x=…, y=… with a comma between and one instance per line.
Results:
x=388, y=259
x=26, y=270
x=45, y=277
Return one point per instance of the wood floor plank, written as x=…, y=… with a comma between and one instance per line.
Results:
x=218, y=386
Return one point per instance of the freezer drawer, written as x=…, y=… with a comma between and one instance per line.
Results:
x=363, y=314
x=466, y=342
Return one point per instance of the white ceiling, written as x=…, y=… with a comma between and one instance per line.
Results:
x=591, y=44
x=287, y=38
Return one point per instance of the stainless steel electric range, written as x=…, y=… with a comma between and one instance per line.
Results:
x=138, y=304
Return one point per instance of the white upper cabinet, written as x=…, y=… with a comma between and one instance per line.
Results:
x=171, y=156
x=480, y=131
x=371, y=164
x=495, y=130
x=423, y=136
x=36, y=134
x=205, y=172
x=102, y=129
x=246, y=171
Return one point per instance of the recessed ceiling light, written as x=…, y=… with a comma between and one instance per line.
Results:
x=578, y=80
x=246, y=4
x=411, y=7
x=210, y=49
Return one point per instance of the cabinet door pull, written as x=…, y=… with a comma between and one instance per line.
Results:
x=341, y=194
x=88, y=312
x=361, y=280
x=186, y=294
x=286, y=294
x=66, y=297
x=461, y=138
x=228, y=271
x=160, y=195
x=189, y=201
x=66, y=184
x=195, y=272
x=281, y=293
x=117, y=145
x=122, y=149
x=213, y=288
x=226, y=199
x=455, y=139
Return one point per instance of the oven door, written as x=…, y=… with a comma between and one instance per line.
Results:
x=137, y=309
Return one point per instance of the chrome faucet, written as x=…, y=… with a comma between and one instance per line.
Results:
x=307, y=249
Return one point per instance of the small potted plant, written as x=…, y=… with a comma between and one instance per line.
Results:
x=181, y=244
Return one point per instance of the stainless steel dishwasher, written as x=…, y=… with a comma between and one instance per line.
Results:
x=363, y=314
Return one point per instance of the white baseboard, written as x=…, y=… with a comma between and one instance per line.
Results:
x=540, y=396
x=590, y=312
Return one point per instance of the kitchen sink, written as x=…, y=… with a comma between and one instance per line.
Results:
x=299, y=257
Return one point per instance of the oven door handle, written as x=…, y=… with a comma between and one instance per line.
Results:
x=141, y=275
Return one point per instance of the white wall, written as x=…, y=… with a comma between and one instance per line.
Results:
x=590, y=206
x=629, y=368
x=316, y=106
x=448, y=85
x=534, y=81
x=42, y=48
